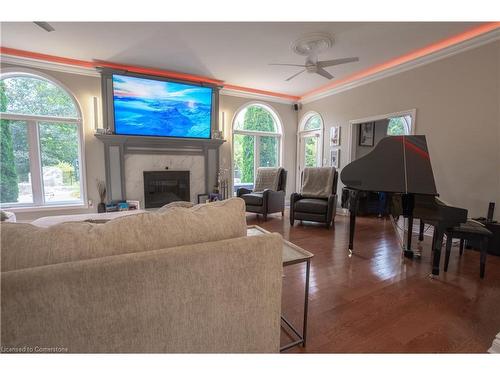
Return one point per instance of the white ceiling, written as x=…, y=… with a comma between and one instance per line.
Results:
x=237, y=53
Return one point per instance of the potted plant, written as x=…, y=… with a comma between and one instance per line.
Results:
x=101, y=189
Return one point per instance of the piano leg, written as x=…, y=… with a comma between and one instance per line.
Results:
x=353, y=208
x=421, y=231
x=352, y=226
x=436, y=250
x=409, y=252
x=408, y=206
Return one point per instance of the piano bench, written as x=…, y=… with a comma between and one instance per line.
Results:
x=469, y=231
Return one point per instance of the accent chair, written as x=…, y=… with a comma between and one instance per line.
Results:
x=268, y=195
x=312, y=204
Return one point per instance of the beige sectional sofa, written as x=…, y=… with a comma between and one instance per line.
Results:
x=185, y=280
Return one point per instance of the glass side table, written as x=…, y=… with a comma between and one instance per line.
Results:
x=292, y=254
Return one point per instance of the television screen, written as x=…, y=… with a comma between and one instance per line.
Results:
x=160, y=108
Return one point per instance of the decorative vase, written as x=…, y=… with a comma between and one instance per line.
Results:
x=101, y=207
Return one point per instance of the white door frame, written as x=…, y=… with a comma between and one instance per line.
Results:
x=352, y=135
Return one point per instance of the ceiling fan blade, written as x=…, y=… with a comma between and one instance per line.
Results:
x=324, y=73
x=289, y=65
x=44, y=25
x=295, y=75
x=326, y=63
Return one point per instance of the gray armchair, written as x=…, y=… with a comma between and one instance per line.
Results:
x=320, y=210
x=267, y=201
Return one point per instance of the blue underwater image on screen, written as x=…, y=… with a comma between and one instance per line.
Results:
x=159, y=108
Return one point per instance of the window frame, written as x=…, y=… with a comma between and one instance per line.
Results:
x=257, y=134
x=32, y=122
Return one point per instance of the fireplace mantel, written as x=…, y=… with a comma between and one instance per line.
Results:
x=158, y=142
x=117, y=146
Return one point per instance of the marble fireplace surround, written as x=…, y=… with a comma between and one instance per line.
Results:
x=127, y=157
x=136, y=164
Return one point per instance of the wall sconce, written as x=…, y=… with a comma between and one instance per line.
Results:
x=95, y=113
x=222, y=122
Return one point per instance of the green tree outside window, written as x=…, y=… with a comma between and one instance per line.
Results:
x=254, y=118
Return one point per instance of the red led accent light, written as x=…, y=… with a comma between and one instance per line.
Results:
x=421, y=52
x=432, y=48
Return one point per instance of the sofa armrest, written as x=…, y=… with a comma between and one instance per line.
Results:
x=193, y=298
x=242, y=191
x=274, y=201
x=294, y=197
x=332, y=208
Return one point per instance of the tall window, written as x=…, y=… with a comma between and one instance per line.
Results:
x=256, y=143
x=310, y=142
x=40, y=143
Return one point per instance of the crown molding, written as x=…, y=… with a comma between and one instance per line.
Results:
x=436, y=56
x=93, y=72
x=67, y=65
x=255, y=96
x=52, y=66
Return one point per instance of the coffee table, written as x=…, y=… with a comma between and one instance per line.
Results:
x=292, y=254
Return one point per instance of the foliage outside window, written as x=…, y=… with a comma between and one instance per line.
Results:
x=40, y=143
x=399, y=125
x=313, y=123
x=311, y=151
x=256, y=143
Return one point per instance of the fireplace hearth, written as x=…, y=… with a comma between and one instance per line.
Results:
x=162, y=187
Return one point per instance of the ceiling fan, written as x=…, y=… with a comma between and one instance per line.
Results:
x=311, y=45
x=44, y=25
x=318, y=67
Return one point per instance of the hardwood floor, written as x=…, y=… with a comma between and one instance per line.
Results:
x=380, y=302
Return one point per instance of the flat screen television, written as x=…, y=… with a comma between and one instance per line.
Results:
x=153, y=107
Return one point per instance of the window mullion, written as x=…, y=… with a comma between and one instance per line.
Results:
x=256, y=158
x=35, y=163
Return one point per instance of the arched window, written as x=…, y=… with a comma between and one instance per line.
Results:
x=310, y=142
x=257, y=140
x=40, y=143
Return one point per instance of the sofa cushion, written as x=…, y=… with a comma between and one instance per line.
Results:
x=26, y=245
x=319, y=206
x=253, y=199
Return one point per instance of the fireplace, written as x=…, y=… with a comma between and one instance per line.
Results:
x=162, y=187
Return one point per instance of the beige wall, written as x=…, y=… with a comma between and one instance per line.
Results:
x=498, y=131
x=458, y=109
x=457, y=102
x=230, y=106
x=380, y=132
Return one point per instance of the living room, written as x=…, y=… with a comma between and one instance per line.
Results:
x=301, y=187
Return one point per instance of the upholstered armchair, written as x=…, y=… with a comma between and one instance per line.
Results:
x=268, y=196
x=319, y=209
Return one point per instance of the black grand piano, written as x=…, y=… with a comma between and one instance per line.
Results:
x=400, y=167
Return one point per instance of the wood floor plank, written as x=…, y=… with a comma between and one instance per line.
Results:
x=379, y=302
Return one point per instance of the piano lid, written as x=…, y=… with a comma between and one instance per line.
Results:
x=397, y=164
